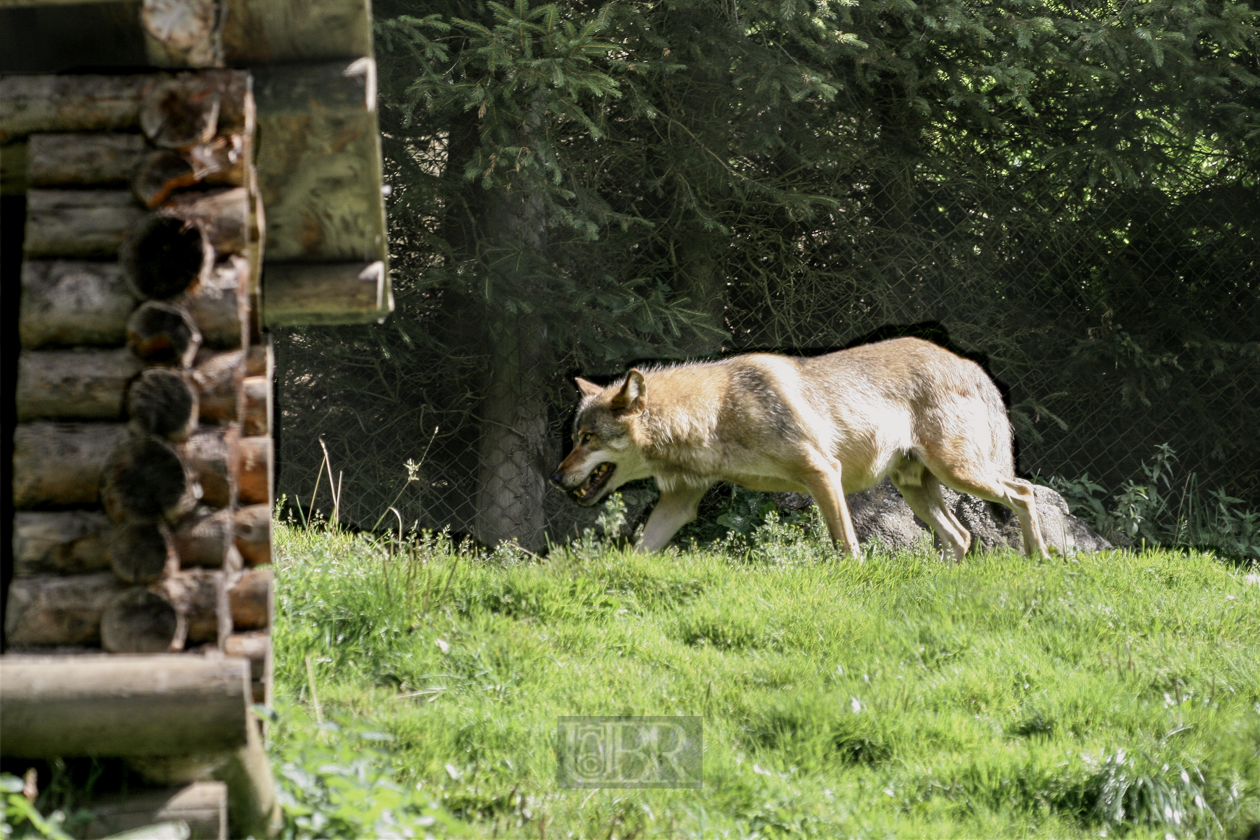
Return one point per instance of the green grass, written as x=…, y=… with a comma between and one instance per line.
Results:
x=1107, y=695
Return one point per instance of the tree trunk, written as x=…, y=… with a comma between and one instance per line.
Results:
x=511, y=482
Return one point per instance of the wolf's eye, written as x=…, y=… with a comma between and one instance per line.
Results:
x=585, y=438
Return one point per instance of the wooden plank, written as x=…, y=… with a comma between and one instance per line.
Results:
x=202, y=806
x=274, y=31
x=123, y=705
x=325, y=293
x=319, y=162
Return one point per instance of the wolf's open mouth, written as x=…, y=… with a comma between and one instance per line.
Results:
x=596, y=480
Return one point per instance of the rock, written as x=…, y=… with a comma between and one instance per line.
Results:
x=881, y=513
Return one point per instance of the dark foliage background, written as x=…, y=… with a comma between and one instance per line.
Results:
x=1065, y=190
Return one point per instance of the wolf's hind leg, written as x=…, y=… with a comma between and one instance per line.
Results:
x=675, y=509
x=1015, y=493
x=924, y=498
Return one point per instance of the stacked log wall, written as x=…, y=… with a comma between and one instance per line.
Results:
x=144, y=390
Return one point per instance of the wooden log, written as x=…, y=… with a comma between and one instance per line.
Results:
x=142, y=551
x=253, y=472
x=141, y=620
x=93, y=224
x=223, y=213
x=78, y=224
x=160, y=173
x=160, y=333
x=254, y=646
x=60, y=464
x=145, y=478
x=180, y=112
x=325, y=293
x=163, y=256
x=79, y=384
x=82, y=160
x=123, y=705
x=182, y=33
x=219, y=380
x=73, y=303
x=261, y=360
x=319, y=161
x=222, y=160
x=219, y=305
x=60, y=542
x=200, y=598
x=258, y=406
x=56, y=610
x=45, y=103
x=253, y=809
x=212, y=453
x=253, y=534
x=251, y=599
x=207, y=540
x=260, y=32
x=202, y=806
x=162, y=402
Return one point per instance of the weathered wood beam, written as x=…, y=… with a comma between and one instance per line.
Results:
x=255, y=646
x=60, y=464
x=82, y=159
x=253, y=470
x=60, y=542
x=319, y=161
x=219, y=380
x=263, y=32
x=250, y=599
x=207, y=539
x=73, y=303
x=78, y=384
x=253, y=533
x=325, y=293
x=161, y=333
x=30, y=104
x=162, y=402
x=202, y=806
x=78, y=224
x=123, y=705
x=213, y=455
x=142, y=551
x=55, y=610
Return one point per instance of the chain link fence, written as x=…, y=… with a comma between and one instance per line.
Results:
x=1115, y=319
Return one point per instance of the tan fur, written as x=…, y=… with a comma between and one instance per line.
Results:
x=827, y=426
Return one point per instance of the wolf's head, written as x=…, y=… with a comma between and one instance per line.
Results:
x=604, y=455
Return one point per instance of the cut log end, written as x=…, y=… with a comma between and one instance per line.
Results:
x=140, y=621
x=141, y=552
x=180, y=113
x=146, y=480
x=163, y=334
x=164, y=256
x=159, y=174
x=253, y=534
x=162, y=402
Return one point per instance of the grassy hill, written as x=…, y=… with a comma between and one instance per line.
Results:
x=1115, y=694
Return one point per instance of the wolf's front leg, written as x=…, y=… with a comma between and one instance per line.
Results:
x=676, y=508
x=824, y=484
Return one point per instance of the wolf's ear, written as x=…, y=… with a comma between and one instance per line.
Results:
x=588, y=389
x=632, y=396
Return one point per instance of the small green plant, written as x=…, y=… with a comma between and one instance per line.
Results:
x=21, y=818
x=1158, y=511
x=336, y=780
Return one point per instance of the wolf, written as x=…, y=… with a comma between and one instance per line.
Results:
x=824, y=425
